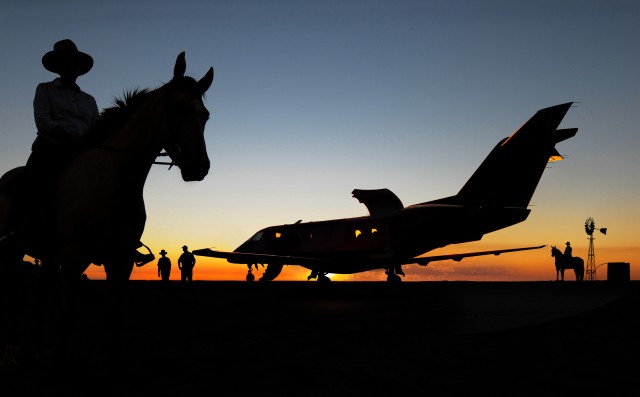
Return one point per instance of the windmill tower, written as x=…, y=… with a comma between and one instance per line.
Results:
x=590, y=227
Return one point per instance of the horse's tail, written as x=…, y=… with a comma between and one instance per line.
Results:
x=9, y=183
x=578, y=267
x=510, y=174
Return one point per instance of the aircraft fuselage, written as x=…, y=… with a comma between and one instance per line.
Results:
x=352, y=245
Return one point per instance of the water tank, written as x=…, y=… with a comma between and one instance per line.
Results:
x=618, y=271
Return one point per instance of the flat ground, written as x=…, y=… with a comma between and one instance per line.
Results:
x=353, y=339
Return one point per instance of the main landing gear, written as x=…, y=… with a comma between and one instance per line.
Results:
x=393, y=274
x=250, y=276
x=271, y=272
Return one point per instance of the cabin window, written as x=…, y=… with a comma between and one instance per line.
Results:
x=374, y=230
x=257, y=237
x=358, y=233
x=278, y=234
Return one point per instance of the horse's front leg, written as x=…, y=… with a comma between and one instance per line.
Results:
x=118, y=269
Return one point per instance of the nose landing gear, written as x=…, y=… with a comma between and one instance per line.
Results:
x=320, y=276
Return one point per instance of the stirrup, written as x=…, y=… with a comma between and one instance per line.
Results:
x=141, y=259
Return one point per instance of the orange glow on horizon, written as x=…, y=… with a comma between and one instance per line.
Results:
x=536, y=265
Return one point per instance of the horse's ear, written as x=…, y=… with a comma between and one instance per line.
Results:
x=180, y=67
x=206, y=81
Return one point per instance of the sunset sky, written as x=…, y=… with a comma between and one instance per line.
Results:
x=312, y=99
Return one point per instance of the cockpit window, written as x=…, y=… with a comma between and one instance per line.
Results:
x=257, y=237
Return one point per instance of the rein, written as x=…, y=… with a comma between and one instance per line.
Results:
x=163, y=154
x=175, y=148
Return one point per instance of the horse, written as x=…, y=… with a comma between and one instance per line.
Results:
x=98, y=212
x=577, y=264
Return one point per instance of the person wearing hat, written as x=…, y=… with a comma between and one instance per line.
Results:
x=186, y=262
x=164, y=266
x=64, y=117
x=568, y=251
x=63, y=112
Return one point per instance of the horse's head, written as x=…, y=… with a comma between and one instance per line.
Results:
x=186, y=119
x=554, y=250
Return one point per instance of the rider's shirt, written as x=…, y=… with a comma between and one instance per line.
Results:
x=567, y=251
x=58, y=105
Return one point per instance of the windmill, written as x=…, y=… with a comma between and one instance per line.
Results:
x=590, y=227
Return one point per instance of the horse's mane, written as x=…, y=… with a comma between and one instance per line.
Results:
x=114, y=117
x=122, y=109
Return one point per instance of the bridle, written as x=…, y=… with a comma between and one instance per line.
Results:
x=173, y=153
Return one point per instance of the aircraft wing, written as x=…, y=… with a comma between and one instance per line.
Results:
x=424, y=260
x=248, y=257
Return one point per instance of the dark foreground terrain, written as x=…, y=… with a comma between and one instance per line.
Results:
x=353, y=339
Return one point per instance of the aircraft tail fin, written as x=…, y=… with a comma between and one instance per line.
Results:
x=510, y=174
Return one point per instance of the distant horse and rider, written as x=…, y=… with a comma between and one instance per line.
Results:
x=565, y=261
x=97, y=212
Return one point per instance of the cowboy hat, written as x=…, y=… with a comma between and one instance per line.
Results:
x=568, y=243
x=163, y=252
x=65, y=54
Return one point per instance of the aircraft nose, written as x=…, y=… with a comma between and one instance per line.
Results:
x=250, y=246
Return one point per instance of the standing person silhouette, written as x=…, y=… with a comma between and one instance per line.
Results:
x=164, y=266
x=186, y=262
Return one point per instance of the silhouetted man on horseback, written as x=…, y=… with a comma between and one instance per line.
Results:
x=96, y=212
x=568, y=253
x=64, y=116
